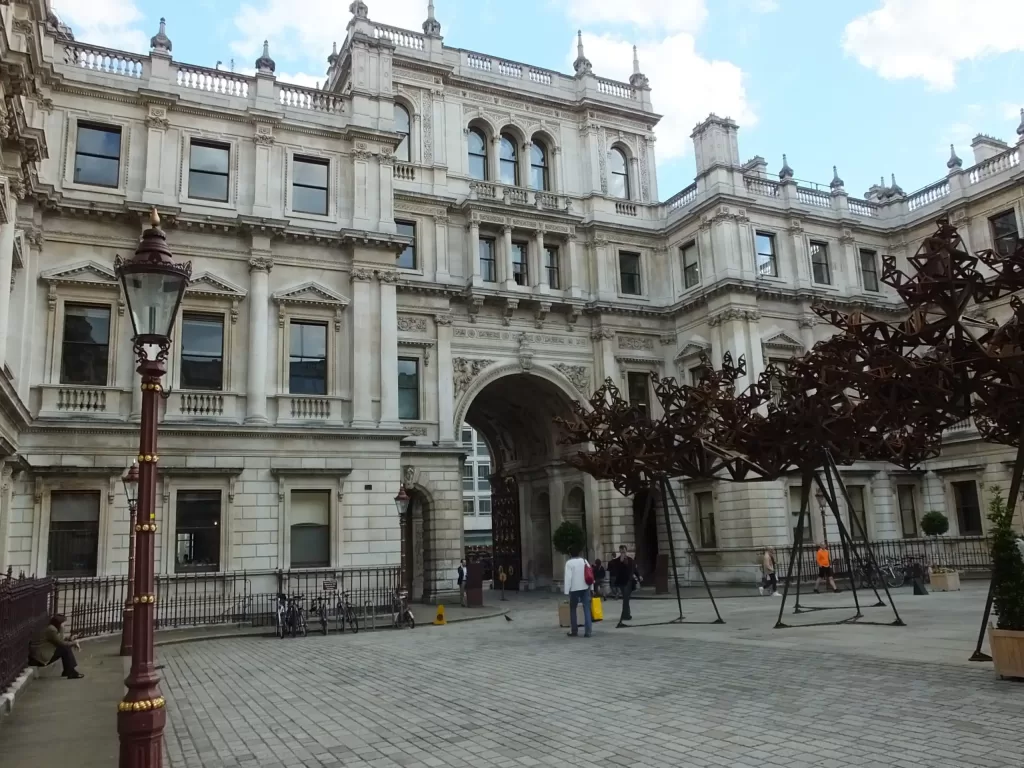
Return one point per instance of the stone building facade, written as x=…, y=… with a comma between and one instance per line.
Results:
x=435, y=236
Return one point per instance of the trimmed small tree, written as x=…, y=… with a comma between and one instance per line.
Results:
x=934, y=524
x=568, y=538
x=1007, y=566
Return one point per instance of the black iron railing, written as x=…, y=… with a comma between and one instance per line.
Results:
x=24, y=611
x=965, y=554
x=94, y=606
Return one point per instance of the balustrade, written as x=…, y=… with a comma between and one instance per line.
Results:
x=297, y=97
x=994, y=165
x=400, y=37
x=625, y=209
x=613, y=88
x=310, y=408
x=405, y=172
x=476, y=61
x=683, y=198
x=515, y=195
x=81, y=400
x=813, y=197
x=928, y=195
x=202, y=404
x=763, y=187
x=103, y=60
x=484, y=190
x=212, y=81
x=862, y=207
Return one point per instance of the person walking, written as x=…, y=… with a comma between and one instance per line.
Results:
x=51, y=645
x=824, y=569
x=626, y=579
x=770, y=581
x=578, y=590
x=600, y=572
x=463, y=580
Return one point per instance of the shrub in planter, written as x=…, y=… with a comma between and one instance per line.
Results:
x=934, y=523
x=568, y=538
x=1007, y=638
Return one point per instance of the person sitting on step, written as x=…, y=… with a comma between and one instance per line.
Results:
x=51, y=645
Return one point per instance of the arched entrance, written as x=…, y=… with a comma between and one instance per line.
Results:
x=515, y=410
x=645, y=532
x=419, y=571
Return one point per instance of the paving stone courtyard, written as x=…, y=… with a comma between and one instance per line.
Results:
x=520, y=693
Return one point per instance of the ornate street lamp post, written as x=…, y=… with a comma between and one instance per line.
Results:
x=402, y=504
x=130, y=478
x=820, y=498
x=153, y=286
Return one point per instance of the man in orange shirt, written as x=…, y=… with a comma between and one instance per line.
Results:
x=824, y=569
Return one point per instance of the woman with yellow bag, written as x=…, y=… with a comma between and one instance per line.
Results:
x=596, y=609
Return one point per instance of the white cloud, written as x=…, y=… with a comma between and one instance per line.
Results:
x=110, y=23
x=662, y=15
x=927, y=39
x=1010, y=111
x=304, y=29
x=764, y=6
x=685, y=87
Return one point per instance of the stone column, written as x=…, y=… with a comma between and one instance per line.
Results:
x=362, y=330
x=442, y=270
x=604, y=341
x=494, y=161
x=388, y=348
x=259, y=339
x=556, y=183
x=7, y=217
x=445, y=385
x=473, y=251
x=505, y=272
x=538, y=274
x=570, y=271
x=263, y=176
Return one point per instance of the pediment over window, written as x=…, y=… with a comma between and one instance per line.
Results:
x=311, y=294
x=694, y=348
x=214, y=286
x=87, y=273
x=776, y=339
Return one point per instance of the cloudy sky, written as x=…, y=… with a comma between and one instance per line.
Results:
x=873, y=86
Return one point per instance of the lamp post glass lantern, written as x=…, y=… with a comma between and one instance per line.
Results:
x=402, y=505
x=153, y=287
x=819, y=496
x=130, y=480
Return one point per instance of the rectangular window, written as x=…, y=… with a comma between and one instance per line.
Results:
x=820, y=269
x=629, y=274
x=307, y=358
x=696, y=375
x=691, y=265
x=468, y=507
x=968, y=510
x=869, y=269
x=1004, y=232
x=706, y=515
x=98, y=155
x=483, y=477
x=202, y=352
x=310, y=529
x=551, y=266
x=407, y=258
x=197, y=538
x=408, y=388
x=309, y=185
x=908, y=510
x=520, y=270
x=85, y=349
x=468, y=479
x=767, y=261
x=74, y=533
x=487, y=267
x=467, y=437
x=639, y=391
x=858, y=513
x=485, y=506
x=208, y=171
x=776, y=382
x=795, y=492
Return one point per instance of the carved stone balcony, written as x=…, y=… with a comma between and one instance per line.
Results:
x=193, y=405
x=69, y=401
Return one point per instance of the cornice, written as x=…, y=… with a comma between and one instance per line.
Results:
x=130, y=430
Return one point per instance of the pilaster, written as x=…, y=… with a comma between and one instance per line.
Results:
x=388, y=349
x=362, y=347
x=263, y=139
x=442, y=270
x=7, y=224
x=445, y=385
x=572, y=279
x=473, y=249
x=260, y=265
x=505, y=276
x=538, y=275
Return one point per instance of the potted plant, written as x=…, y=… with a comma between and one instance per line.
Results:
x=942, y=579
x=1007, y=636
x=568, y=540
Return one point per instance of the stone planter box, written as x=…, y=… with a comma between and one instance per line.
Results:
x=1007, y=652
x=563, y=615
x=946, y=582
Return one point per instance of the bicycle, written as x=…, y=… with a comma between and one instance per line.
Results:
x=402, y=613
x=291, y=619
x=319, y=609
x=344, y=612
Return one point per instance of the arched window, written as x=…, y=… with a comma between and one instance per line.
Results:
x=477, y=154
x=402, y=127
x=509, y=164
x=619, y=173
x=538, y=166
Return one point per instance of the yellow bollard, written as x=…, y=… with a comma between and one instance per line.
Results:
x=440, y=620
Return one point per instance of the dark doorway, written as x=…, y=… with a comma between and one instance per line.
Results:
x=645, y=529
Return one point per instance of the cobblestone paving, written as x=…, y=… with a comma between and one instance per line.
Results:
x=494, y=693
